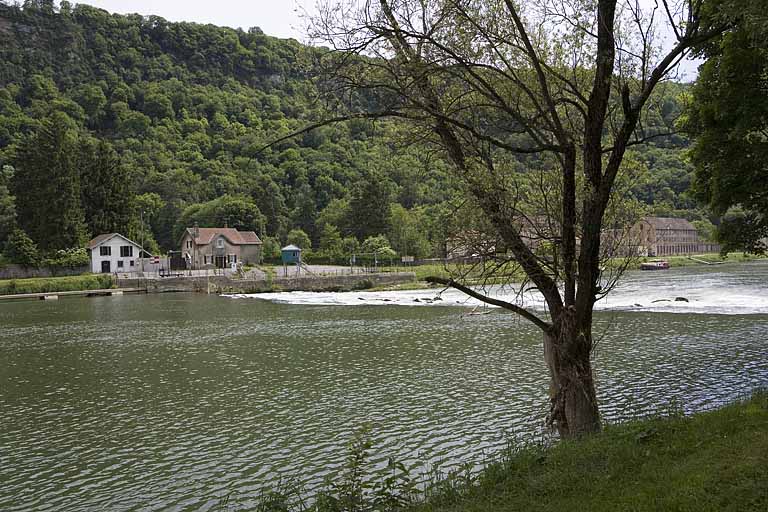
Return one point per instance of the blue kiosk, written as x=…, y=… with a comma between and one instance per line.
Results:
x=291, y=255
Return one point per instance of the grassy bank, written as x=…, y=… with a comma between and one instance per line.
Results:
x=449, y=270
x=716, y=460
x=56, y=284
x=446, y=271
x=439, y=270
x=711, y=461
x=733, y=257
x=475, y=273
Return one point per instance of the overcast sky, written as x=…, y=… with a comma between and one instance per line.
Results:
x=278, y=18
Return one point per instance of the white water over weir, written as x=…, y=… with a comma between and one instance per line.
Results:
x=729, y=289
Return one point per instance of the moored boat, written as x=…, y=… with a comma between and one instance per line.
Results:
x=655, y=265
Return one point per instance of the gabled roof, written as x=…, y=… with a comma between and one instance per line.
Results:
x=669, y=223
x=249, y=237
x=290, y=248
x=235, y=237
x=99, y=240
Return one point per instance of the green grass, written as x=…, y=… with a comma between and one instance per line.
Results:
x=716, y=460
x=440, y=270
x=270, y=271
x=414, y=285
x=437, y=270
x=450, y=270
x=733, y=257
x=686, y=261
x=56, y=284
x=711, y=461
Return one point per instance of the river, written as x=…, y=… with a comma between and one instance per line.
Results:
x=175, y=402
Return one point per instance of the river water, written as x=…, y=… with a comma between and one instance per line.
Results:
x=178, y=402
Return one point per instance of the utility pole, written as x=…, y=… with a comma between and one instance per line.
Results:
x=263, y=235
x=141, y=223
x=195, y=236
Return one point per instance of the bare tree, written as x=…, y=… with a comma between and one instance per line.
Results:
x=505, y=87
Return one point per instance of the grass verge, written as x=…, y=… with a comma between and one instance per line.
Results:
x=689, y=261
x=440, y=270
x=56, y=284
x=711, y=461
x=716, y=460
x=732, y=257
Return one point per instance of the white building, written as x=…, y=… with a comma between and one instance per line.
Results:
x=112, y=252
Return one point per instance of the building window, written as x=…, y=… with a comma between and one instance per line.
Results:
x=220, y=243
x=131, y=263
x=105, y=250
x=189, y=244
x=126, y=251
x=205, y=259
x=120, y=264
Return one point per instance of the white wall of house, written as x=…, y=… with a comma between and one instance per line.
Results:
x=121, y=254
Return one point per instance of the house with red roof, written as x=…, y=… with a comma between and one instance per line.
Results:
x=219, y=247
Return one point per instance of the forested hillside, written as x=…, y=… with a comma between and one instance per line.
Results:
x=142, y=126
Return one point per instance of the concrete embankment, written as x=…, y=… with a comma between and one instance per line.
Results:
x=224, y=284
x=75, y=293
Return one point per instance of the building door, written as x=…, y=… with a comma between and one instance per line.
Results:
x=221, y=262
x=105, y=267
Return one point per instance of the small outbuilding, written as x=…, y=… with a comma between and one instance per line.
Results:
x=291, y=254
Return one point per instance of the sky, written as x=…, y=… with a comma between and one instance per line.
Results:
x=279, y=18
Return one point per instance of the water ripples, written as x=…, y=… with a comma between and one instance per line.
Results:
x=146, y=403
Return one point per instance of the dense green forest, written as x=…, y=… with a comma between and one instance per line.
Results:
x=142, y=126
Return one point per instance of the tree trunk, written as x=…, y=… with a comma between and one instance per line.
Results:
x=573, y=409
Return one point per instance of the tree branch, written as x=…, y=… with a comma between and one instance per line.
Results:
x=333, y=120
x=561, y=134
x=541, y=324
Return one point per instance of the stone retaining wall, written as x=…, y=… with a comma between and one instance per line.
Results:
x=20, y=272
x=223, y=284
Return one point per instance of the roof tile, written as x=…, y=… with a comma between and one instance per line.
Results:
x=206, y=236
